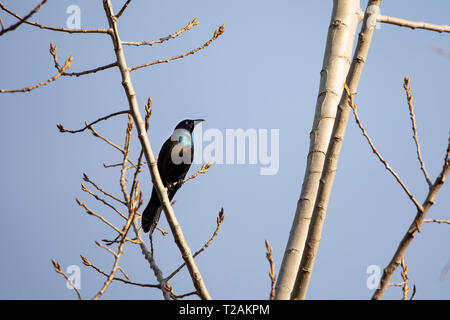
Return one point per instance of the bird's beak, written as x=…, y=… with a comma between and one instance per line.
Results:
x=197, y=121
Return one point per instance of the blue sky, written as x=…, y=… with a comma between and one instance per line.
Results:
x=262, y=73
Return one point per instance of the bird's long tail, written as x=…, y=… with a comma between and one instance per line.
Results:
x=150, y=216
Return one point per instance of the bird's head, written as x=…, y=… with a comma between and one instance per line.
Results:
x=188, y=124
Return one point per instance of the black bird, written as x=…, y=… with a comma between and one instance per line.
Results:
x=174, y=161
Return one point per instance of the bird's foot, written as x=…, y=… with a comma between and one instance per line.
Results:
x=176, y=184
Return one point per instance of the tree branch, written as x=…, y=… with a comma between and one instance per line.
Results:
x=217, y=33
x=17, y=24
x=27, y=89
x=58, y=269
x=413, y=24
x=121, y=11
x=191, y=23
x=437, y=221
x=374, y=150
x=87, y=263
x=156, y=178
x=41, y=26
x=219, y=221
x=414, y=128
x=413, y=228
x=272, y=269
x=89, y=125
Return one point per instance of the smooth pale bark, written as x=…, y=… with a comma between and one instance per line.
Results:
x=345, y=18
x=333, y=152
x=156, y=178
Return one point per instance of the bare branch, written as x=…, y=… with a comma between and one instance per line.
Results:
x=191, y=23
x=83, y=187
x=98, y=135
x=413, y=24
x=88, y=125
x=14, y=26
x=217, y=33
x=414, y=128
x=204, y=169
x=404, y=274
x=436, y=221
x=87, y=263
x=106, y=248
x=27, y=89
x=58, y=269
x=272, y=276
x=413, y=228
x=374, y=149
x=180, y=241
x=89, y=211
x=86, y=178
x=23, y=20
x=121, y=11
x=179, y=296
x=219, y=221
x=132, y=209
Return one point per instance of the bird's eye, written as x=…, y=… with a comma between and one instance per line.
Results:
x=187, y=122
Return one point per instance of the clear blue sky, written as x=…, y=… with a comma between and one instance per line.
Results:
x=263, y=73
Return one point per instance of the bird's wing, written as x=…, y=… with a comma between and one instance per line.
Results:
x=169, y=171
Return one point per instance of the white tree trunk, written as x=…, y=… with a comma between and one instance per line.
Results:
x=345, y=18
x=332, y=155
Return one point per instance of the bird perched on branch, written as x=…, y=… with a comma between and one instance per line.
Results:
x=174, y=161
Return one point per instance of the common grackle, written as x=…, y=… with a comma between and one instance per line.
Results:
x=174, y=161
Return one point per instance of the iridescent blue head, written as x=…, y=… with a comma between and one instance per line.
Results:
x=183, y=132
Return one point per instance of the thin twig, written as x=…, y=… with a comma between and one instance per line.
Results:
x=83, y=187
x=89, y=211
x=272, y=276
x=374, y=149
x=88, y=125
x=87, y=263
x=217, y=33
x=436, y=221
x=179, y=296
x=131, y=210
x=404, y=274
x=121, y=11
x=219, y=221
x=89, y=71
x=14, y=26
x=414, y=128
x=106, y=248
x=27, y=89
x=413, y=293
x=177, y=232
x=86, y=178
x=98, y=135
x=413, y=228
x=81, y=73
x=203, y=169
x=3, y=7
x=58, y=269
x=191, y=23
x=413, y=24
